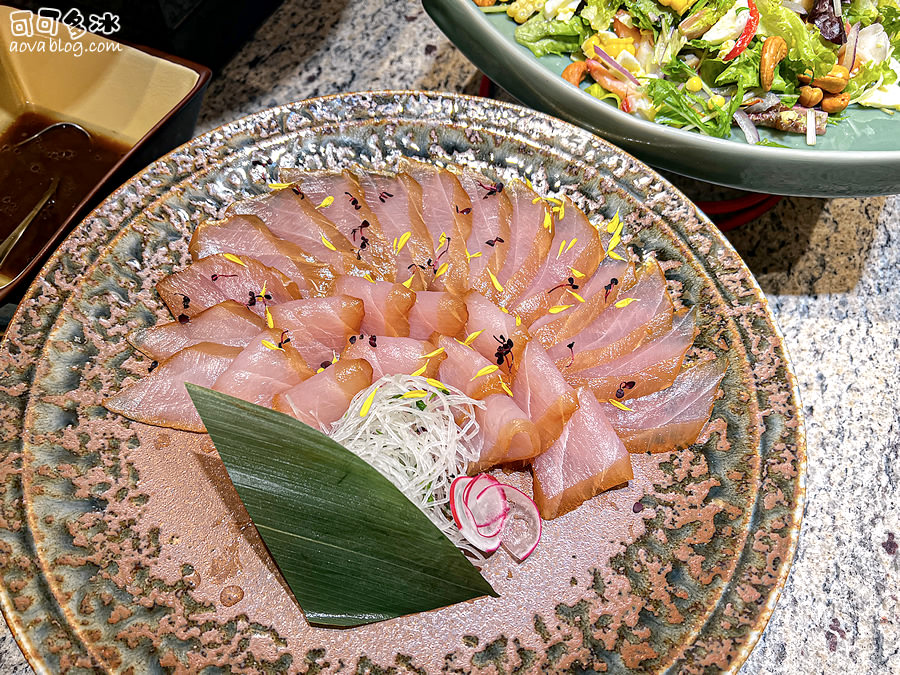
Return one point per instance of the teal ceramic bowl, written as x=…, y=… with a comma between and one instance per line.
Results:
x=859, y=157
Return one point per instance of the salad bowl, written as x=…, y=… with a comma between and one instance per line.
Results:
x=858, y=157
x=119, y=544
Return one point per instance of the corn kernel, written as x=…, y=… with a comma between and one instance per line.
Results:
x=680, y=6
x=694, y=84
x=716, y=101
x=609, y=43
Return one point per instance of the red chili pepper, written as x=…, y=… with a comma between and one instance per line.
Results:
x=747, y=35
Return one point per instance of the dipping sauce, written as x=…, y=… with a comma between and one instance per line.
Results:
x=33, y=155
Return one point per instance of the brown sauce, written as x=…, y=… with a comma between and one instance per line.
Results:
x=30, y=164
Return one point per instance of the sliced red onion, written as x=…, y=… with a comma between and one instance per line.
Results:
x=612, y=63
x=770, y=100
x=751, y=133
x=794, y=7
x=849, y=55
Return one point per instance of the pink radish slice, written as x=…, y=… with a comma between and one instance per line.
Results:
x=464, y=518
x=457, y=487
x=522, y=528
x=487, y=508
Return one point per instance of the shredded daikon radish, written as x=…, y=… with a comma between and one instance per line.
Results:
x=419, y=450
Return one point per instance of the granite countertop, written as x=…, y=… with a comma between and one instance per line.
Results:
x=831, y=270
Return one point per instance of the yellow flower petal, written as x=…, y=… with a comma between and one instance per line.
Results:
x=402, y=241
x=471, y=337
x=620, y=406
x=571, y=244
x=441, y=270
x=535, y=200
x=270, y=322
x=562, y=210
x=233, y=258
x=487, y=370
x=439, y=350
x=554, y=200
x=472, y=255
x=271, y=345
x=613, y=224
x=562, y=247
x=368, y=402
x=415, y=393
x=506, y=388
x=328, y=201
x=518, y=321
x=494, y=281
x=615, y=256
x=279, y=186
x=556, y=309
x=327, y=243
x=263, y=291
x=576, y=273
x=548, y=220
x=575, y=295
x=368, y=277
x=625, y=302
x=436, y=383
x=409, y=281
x=420, y=370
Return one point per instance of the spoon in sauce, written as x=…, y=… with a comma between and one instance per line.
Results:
x=10, y=242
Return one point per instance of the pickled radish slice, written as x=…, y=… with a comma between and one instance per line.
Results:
x=522, y=527
x=460, y=494
x=490, y=514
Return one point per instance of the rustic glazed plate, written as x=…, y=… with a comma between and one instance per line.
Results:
x=856, y=158
x=125, y=548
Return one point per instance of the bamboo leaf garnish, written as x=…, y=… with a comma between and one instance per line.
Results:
x=352, y=548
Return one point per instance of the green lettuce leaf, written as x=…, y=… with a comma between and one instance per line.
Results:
x=597, y=91
x=649, y=15
x=743, y=70
x=681, y=108
x=600, y=13
x=889, y=17
x=804, y=43
x=865, y=11
x=544, y=37
x=869, y=74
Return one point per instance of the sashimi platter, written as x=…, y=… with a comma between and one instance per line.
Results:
x=534, y=338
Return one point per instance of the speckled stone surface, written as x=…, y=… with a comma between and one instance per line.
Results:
x=831, y=270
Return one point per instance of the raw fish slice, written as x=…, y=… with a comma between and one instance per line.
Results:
x=319, y=327
x=161, y=398
x=263, y=369
x=529, y=245
x=350, y=214
x=460, y=369
x=491, y=216
x=496, y=327
x=619, y=330
x=322, y=399
x=507, y=433
x=214, y=279
x=289, y=215
x=672, y=418
x=540, y=390
x=394, y=355
x=652, y=366
x=248, y=236
x=587, y=459
x=386, y=305
x=389, y=198
x=576, y=251
x=437, y=312
x=445, y=209
x=560, y=327
x=228, y=323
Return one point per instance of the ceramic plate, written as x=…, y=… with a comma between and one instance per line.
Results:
x=119, y=544
x=856, y=158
